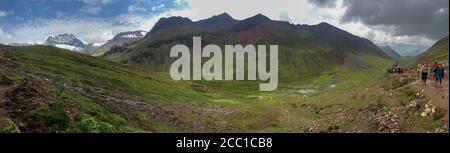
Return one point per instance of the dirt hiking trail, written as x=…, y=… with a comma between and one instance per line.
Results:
x=437, y=95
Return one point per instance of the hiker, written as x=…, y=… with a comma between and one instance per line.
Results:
x=424, y=69
x=401, y=70
x=439, y=75
x=435, y=67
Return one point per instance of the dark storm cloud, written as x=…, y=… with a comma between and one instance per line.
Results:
x=429, y=18
x=324, y=3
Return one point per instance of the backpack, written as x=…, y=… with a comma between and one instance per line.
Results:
x=425, y=69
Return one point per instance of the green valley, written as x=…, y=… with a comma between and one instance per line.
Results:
x=54, y=90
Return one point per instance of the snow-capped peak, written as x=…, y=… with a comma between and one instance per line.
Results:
x=143, y=33
x=131, y=35
x=66, y=41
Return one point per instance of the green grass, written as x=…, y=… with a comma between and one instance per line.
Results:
x=8, y=126
x=406, y=95
x=217, y=106
x=86, y=123
x=54, y=115
x=91, y=73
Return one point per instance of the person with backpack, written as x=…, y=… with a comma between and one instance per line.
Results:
x=435, y=67
x=439, y=75
x=424, y=69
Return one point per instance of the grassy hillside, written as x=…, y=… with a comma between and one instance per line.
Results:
x=304, y=51
x=55, y=90
x=121, y=39
x=391, y=52
x=114, y=95
x=438, y=52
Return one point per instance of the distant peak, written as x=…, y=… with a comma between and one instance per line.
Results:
x=223, y=16
x=261, y=17
x=65, y=41
x=175, y=18
x=253, y=21
x=325, y=24
x=224, y=13
x=130, y=35
x=170, y=21
x=66, y=34
x=257, y=19
x=259, y=14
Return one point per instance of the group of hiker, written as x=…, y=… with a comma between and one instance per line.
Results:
x=437, y=69
x=396, y=69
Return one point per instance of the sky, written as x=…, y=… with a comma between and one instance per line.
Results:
x=421, y=22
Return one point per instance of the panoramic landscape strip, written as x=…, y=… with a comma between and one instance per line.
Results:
x=190, y=66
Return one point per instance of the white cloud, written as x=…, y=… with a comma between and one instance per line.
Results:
x=4, y=13
x=134, y=8
x=285, y=17
x=146, y=23
x=379, y=36
x=88, y=30
x=294, y=11
x=95, y=2
x=4, y=36
x=154, y=8
x=376, y=34
x=91, y=9
x=243, y=9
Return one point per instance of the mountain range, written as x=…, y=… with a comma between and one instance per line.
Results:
x=391, y=52
x=70, y=42
x=304, y=50
x=410, y=50
x=331, y=81
x=121, y=39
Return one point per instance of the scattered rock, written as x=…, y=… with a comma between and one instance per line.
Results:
x=387, y=119
x=429, y=110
